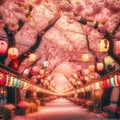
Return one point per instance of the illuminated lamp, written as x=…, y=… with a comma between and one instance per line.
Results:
x=103, y=45
x=35, y=68
x=15, y=82
x=2, y=78
x=41, y=71
x=75, y=75
x=9, y=80
x=112, y=83
x=26, y=72
x=13, y=53
x=97, y=86
x=118, y=79
x=117, y=47
x=99, y=66
x=85, y=57
x=108, y=60
x=45, y=63
x=86, y=71
x=22, y=84
x=19, y=83
x=3, y=47
x=106, y=83
x=32, y=57
x=91, y=68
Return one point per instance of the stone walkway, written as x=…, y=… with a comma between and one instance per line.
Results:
x=62, y=109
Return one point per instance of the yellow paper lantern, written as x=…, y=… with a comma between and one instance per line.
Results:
x=108, y=60
x=42, y=71
x=103, y=45
x=91, y=68
x=85, y=57
x=32, y=57
x=13, y=52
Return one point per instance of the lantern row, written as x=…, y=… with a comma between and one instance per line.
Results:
x=10, y=80
x=107, y=82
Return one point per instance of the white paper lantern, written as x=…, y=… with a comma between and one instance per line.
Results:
x=99, y=66
x=108, y=60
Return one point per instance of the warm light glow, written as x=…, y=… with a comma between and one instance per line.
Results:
x=99, y=66
x=85, y=57
x=91, y=68
x=13, y=52
x=103, y=45
x=86, y=71
x=108, y=60
x=41, y=71
x=32, y=57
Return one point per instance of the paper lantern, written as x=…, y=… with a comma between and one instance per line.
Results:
x=86, y=71
x=2, y=78
x=13, y=52
x=91, y=68
x=117, y=47
x=19, y=85
x=3, y=47
x=9, y=80
x=35, y=68
x=42, y=71
x=85, y=57
x=45, y=63
x=99, y=66
x=108, y=60
x=26, y=72
x=106, y=83
x=103, y=45
x=97, y=86
x=15, y=82
x=112, y=83
x=32, y=57
x=118, y=79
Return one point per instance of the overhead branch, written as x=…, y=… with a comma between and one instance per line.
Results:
x=25, y=54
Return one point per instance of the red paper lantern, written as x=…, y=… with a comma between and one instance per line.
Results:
x=13, y=52
x=3, y=47
x=2, y=78
x=106, y=83
x=99, y=66
x=118, y=79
